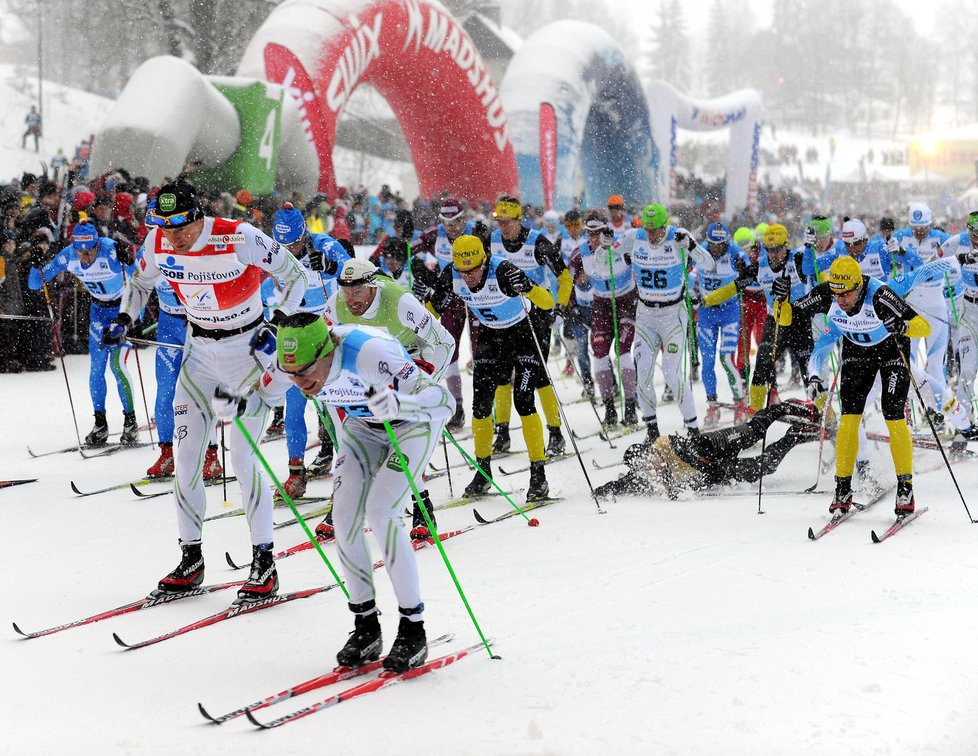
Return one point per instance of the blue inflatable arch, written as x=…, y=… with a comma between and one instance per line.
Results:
x=603, y=138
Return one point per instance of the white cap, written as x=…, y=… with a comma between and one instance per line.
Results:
x=358, y=272
x=853, y=230
x=919, y=214
x=551, y=217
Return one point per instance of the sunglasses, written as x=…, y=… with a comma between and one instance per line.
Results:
x=177, y=219
x=308, y=368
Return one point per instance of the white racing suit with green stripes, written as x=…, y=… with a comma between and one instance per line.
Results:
x=370, y=486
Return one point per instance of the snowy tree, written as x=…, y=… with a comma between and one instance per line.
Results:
x=670, y=57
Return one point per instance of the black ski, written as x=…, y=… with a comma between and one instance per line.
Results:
x=11, y=483
x=898, y=525
x=540, y=503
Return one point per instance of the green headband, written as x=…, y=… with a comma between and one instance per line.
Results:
x=303, y=345
x=822, y=226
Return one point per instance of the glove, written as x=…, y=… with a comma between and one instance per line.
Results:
x=607, y=240
x=515, y=277
x=123, y=252
x=814, y=387
x=316, y=261
x=968, y=258
x=117, y=331
x=683, y=239
x=37, y=257
x=264, y=338
x=781, y=288
x=810, y=237
x=746, y=276
x=893, y=246
x=896, y=326
x=383, y=404
x=421, y=290
x=228, y=406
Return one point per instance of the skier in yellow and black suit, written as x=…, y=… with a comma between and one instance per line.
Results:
x=499, y=294
x=876, y=326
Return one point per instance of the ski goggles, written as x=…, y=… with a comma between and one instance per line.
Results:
x=176, y=220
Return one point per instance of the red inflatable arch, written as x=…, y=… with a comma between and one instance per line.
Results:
x=419, y=59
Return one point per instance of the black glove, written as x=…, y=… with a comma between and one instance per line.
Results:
x=896, y=326
x=560, y=311
x=421, y=290
x=683, y=239
x=228, y=406
x=781, y=288
x=515, y=277
x=37, y=256
x=117, y=330
x=814, y=387
x=123, y=253
x=746, y=276
x=967, y=258
x=481, y=230
x=810, y=236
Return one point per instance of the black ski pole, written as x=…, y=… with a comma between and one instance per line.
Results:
x=767, y=400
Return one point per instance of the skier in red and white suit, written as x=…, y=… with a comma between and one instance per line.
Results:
x=215, y=267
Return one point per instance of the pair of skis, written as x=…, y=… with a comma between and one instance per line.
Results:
x=840, y=517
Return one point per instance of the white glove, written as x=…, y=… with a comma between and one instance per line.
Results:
x=892, y=245
x=228, y=406
x=810, y=237
x=383, y=404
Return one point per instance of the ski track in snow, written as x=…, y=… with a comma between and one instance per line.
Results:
x=691, y=626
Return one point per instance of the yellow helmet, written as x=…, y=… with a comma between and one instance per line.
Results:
x=845, y=275
x=467, y=252
x=775, y=234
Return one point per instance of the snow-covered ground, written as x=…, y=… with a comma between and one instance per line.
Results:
x=689, y=627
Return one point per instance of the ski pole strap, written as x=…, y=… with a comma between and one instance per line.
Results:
x=288, y=500
x=434, y=534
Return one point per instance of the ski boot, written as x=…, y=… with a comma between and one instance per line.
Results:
x=410, y=647
x=100, y=433
x=188, y=574
x=803, y=410
x=130, y=430
x=843, y=497
x=212, y=465
x=539, y=488
x=742, y=411
x=162, y=467
x=295, y=485
x=457, y=421
x=610, y=415
x=712, y=417
x=276, y=429
x=556, y=443
x=479, y=485
x=631, y=413
x=419, y=528
x=569, y=367
x=502, y=441
x=588, y=391
x=325, y=528
x=904, y=496
x=936, y=419
x=667, y=395
x=323, y=463
x=651, y=432
x=365, y=642
x=263, y=580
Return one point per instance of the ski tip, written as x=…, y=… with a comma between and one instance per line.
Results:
x=19, y=631
x=479, y=518
x=205, y=715
x=117, y=639
x=811, y=534
x=255, y=722
x=75, y=489
x=876, y=538
x=135, y=490
x=227, y=556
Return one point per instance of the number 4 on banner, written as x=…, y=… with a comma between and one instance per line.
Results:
x=266, y=148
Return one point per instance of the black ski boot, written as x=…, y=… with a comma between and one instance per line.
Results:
x=904, y=496
x=276, y=429
x=263, y=580
x=610, y=415
x=539, y=488
x=502, y=442
x=365, y=642
x=479, y=485
x=631, y=414
x=419, y=528
x=651, y=432
x=188, y=574
x=588, y=382
x=457, y=422
x=100, y=433
x=843, y=496
x=130, y=430
x=410, y=647
x=321, y=465
x=556, y=444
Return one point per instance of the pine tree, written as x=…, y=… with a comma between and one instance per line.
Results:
x=669, y=56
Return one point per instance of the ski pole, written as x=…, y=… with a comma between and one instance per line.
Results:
x=560, y=409
x=148, y=342
x=436, y=538
x=288, y=500
x=57, y=345
x=142, y=386
x=5, y=316
x=614, y=326
x=767, y=399
x=590, y=398
x=224, y=465
x=448, y=467
x=822, y=432
x=691, y=344
x=937, y=440
x=533, y=523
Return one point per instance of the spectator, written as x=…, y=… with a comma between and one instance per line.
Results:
x=33, y=121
